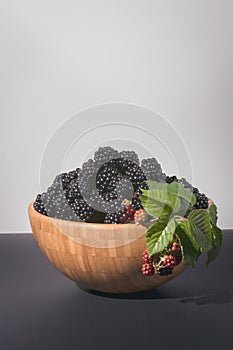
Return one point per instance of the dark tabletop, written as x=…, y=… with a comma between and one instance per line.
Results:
x=40, y=309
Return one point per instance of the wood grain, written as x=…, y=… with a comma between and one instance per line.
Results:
x=101, y=257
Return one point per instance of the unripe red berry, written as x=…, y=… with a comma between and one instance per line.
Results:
x=140, y=216
x=169, y=261
x=147, y=269
x=145, y=257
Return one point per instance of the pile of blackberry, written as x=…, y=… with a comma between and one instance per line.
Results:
x=106, y=189
x=162, y=263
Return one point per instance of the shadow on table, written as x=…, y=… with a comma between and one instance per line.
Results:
x=201, y=286
x=214, y=298
x=208, y=298
x=222, y=297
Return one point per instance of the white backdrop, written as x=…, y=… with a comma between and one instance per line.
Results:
x=58, y=57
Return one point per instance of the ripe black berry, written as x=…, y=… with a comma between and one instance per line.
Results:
x=112, y=218
x=130, y=155
x=39, y=205
x=201, y=201
x=107, y=177
x=170, y=179
x=152, y=170
x=104, y=154
x=164, y=271
x=185, y=183
x=133, y=172
x=82, y=210
x=177, y=258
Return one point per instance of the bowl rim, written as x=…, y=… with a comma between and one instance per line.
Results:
x=82, y=223
x=95, y=224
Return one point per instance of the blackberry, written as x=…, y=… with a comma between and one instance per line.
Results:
x=143, y=186
x=82, y=210
x=136, y=202
x=73, y=191
x=112, y=218
x=87, y=177
x=110, y=196
x=185, y=183
x=164, y=271
x=87, y=167
x=104, y=154
x=201, y=201
x=39, y=205
x=170, y=179
x=195, y=190
x=152, y=170
x=73, y=174
x=177, y=258
x=133, y=172
x=147, y=269
x=54, y=197
x=124, y=189
x=56, y=205
x=107, y=177
x=96, y=201
x=118, y=199
x=62, y=180
x=130, y=155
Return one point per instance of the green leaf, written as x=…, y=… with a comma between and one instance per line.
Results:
x=162, y=196
x=200, y=228
x=184, y=224
x=213, y=214
x=184, y=193
x=189, y=245
x=159, y=194
x=173, y=194
x=217, y=243
x=151, y=206
x=184, y=208
x=198, y=233
x=161, y=232
x=155, y=185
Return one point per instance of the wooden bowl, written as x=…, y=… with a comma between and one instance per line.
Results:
x=100, y=257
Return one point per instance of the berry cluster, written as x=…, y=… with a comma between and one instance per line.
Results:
x=106, y=189
x=163, y=263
